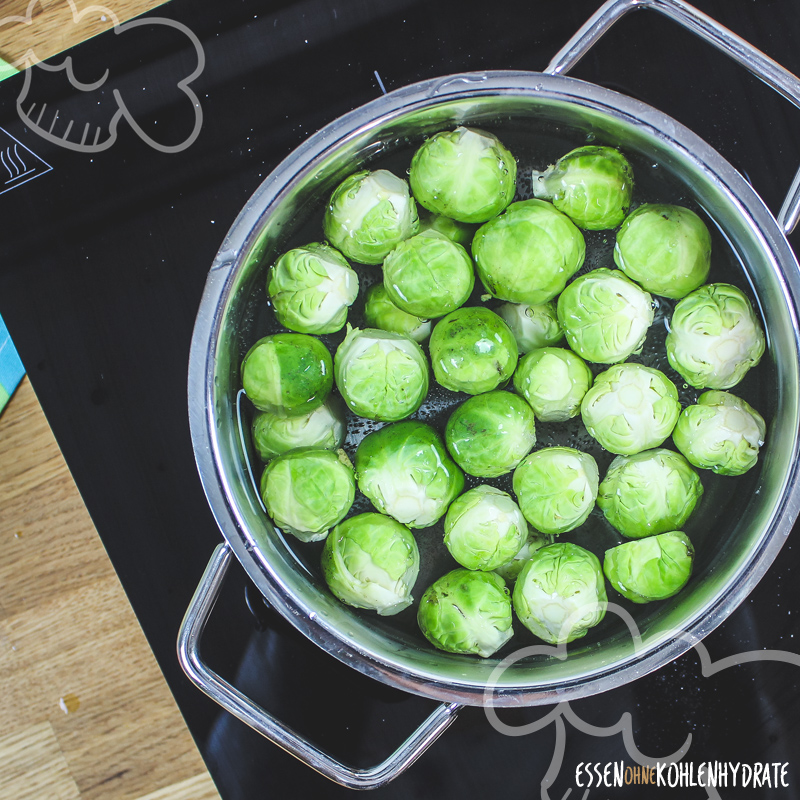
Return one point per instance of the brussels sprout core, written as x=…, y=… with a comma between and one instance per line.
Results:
x=371, y=561
x=532, y=326
x=556, y=488
x=630, y=408
x=650, y=569
x=490, y=434
x=665, y=249
x=428, y=275
x=528, y=254
x=466, y=612
x=464, y=174
x=381, y=375
x=472, y=350
x=560, y=593
x=287, y=374
x=405, y=471
x=722, y=433
x=381, y=312
x=591, y=185
x=553, y=380
x=715, y=337
x=649, y=493
x=484, y=528
x=605, y=316
x=311, y=289
x=307, y=491
x=369, y=214
x=324, y=427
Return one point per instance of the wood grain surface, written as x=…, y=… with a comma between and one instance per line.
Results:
x=86, y=712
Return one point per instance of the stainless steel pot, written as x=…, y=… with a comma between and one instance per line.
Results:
x=224, y=328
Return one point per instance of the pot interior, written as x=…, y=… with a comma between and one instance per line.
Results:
x=740, y=522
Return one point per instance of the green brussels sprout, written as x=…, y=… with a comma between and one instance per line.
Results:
x=649, y=493
x=630, y=408
x=466, y=612
x=428, y=275
x=381, y=375
x=466, y=175
x=560, y=593
x=369, y=214
x=665, y=249
x=512, y=568
x=287, y=374
x=459, y=232
x=489, y=434
x=484, y=528
x=592, y=185
x=381, y=312
x=605, y=316
x=714, y=337
x=650, y=569
x=556, y=488
x=528, y=254
x=553, y=380
x=307, y=491
x=324, y=427
x=472, y=350
x=405, y=471
x=532, y=326
x=311, y=289
x=722, y=433
x=371, y=561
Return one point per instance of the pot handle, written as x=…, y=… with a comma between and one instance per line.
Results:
x=238, y=704
x=763, y=67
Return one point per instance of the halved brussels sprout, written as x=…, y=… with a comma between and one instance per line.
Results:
x=553, y=380
x=556, y=488
x=311, y=289
x=307, y=491
x=459, y=232
x=714, y=337
x=369, y=214
x=592, y=185
x=405, y=471
x=428, y=275
x=722, y=433
x=650, y=569
x=528, y=253
x=484, y=528
x=381, y=375
x=649, y=493
x=466, y=175
x=511, y=569
x=381, y=312
x=665, y=249
x=560, y=593
x=533, y=326
x=630, y=408
x=287, y=374
x=467, y=612
x=324, y=427
x=472, y=350
x=605, y=316
x=489, y=434
x=371, y=561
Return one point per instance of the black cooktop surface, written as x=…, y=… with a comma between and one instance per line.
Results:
x=129, y=187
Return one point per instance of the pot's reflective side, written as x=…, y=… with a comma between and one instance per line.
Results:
x=226, y=328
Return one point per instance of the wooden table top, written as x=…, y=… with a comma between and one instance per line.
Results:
x=86, y=711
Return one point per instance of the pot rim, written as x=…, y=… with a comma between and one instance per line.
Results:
x=237, y=246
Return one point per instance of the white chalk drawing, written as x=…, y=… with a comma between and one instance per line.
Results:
x=81, y=136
